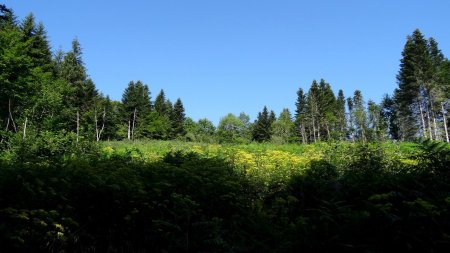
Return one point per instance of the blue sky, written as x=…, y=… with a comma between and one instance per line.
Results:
x=239, y=55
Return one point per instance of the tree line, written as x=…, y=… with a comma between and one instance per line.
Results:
x=43, y=91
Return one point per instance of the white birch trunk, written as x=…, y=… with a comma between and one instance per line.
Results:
x=444, y=116
x=78, y=125
x=25, y=129
x=424, y=129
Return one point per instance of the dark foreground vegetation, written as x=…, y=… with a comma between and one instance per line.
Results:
x=360, y=201
x=61, y=191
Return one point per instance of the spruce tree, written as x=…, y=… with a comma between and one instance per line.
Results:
x=351, y=119
x=262, y=126
x=360, y=116
x=389, y=117
x=300, y=116
x=340, y=115
x=420, y=88
x=161, y=104
x=178, y=118
x=313, y=112
x=136, y=108
x=327, y=109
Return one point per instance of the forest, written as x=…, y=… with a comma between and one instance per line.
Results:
x=80, y=172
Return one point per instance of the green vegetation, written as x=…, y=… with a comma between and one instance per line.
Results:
x=192, y=197
x=50, y=91
x=82, y=173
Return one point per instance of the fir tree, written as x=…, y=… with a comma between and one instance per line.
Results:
x=360, y=116
x=300, y=116
x=340, y=115
x=178, y=118
x=262, y=126
x=389, y=117
x=136, y=108
x=161, y=104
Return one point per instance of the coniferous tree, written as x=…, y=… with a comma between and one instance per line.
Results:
x=327, y=108
x=420, y=88
x=177, y=120
x=262, y=126
x=360, y=116
x=300, y=116
x=341, y=124
x=314, y=112
x=161, y=104
x=351, y=119
x=389, y=117
x=136, y=108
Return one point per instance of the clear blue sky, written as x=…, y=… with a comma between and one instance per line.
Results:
x=239, y=55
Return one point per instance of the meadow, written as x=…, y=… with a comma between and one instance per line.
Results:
x=169, y=196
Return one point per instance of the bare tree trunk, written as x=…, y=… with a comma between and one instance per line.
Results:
x=328, y=131
x=78, y=125
x=96, y=125
x=103, y=125
x=429, y=124
x=436, y=135
x=134, y=124
x=423, y=121
x=25, y=129
x=444, y=116
x=303, y=134
x=7, y=124
x=314, y=129
x=10, y=115
x=129, y=130
x=318, y=131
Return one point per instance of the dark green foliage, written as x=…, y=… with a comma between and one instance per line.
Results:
x=59, y=193
x=135, y=109
x=161, y=104
x=120, y=204
x=341, y=122
x=389, y=117
x=177, y=119
x=421, y=87
x=357, y=200
x=300, y=116
x=262, y=128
